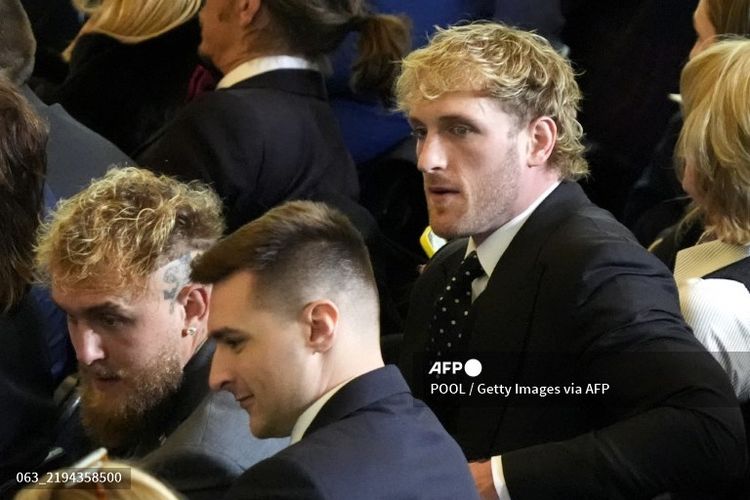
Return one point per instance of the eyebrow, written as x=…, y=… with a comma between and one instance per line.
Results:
x=224, y=333
x=107, y=307
x=444, y=120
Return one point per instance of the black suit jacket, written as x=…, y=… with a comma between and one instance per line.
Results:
x=265, y=140
x=574, y=299
x=371, y=440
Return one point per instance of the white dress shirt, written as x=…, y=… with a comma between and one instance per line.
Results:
x=718, y=310
x=304, y=420
x=489, y=254
x=264, y=64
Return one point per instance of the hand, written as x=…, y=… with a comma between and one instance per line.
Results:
x=482, y=474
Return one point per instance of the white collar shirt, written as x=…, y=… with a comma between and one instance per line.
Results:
x=259, y=65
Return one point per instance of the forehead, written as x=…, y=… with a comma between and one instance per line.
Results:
x=90, y=294
x=466, y=104
x=231, y=297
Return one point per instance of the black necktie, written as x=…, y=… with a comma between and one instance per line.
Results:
x=451, y=309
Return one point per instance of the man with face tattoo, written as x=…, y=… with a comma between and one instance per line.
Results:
x=117, y=259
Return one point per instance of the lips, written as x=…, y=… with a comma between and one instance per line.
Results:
x=105, y=383
x=246, y=401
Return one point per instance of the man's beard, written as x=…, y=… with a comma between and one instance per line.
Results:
x=117, y=421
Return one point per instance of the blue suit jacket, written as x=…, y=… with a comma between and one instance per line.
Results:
x=371, y=440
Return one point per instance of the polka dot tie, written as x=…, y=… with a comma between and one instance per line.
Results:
x=452, y=308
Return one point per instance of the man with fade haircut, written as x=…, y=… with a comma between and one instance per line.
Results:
x=117, y=259
x=295, y=318
x=547, y=292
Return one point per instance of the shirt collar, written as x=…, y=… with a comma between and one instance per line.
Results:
x=491, y=249
x=259, y=65
x=704, y=258
x=304, y=420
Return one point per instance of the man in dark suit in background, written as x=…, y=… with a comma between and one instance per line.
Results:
x=295, y=318
x=547, y=292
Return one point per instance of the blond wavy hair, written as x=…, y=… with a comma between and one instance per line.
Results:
x=133, y=21
x=115, y=233
x=715, y=137
x=518, y=68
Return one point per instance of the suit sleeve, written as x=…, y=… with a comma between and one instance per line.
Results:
x=670, y=421
x=276, y=478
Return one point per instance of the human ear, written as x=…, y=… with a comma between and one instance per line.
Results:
x=322, y=316
x=194, y=298
x=247, y=10
x=542, y=138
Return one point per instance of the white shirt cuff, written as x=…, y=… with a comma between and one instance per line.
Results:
x=498, y=478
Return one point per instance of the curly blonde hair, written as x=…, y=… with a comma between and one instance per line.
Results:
x=518, y=68
x=124, y=226
x=715, y=137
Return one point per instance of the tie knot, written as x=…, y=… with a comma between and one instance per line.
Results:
x=470, y=268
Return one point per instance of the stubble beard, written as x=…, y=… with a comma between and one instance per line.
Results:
x=493, y=204
x=117, y=422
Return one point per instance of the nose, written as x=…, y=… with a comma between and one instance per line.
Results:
x=431, y=154
x=86, y=342
x=219, y=377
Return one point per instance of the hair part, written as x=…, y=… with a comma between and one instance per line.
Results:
x=519, y=69
x=17, y=43
x=23, y=163
x=715, y=137
x=314, y=28
x=115, y=233
x=296, y=251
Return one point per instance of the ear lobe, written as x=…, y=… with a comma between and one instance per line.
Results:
x=322, y=316
x=542, y=138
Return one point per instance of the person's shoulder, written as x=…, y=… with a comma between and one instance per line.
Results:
x=283, y=475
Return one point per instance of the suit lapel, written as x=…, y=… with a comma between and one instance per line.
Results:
x=501, y=318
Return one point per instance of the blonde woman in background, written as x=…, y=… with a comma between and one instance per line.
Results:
x=130, y=66
x=713, y=276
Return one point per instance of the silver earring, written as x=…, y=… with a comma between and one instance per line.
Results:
x=192, y=331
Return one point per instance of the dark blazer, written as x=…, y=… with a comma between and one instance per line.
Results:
x=128, y=91
x=574, y=299
x=371, y=440
x=265, y=140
